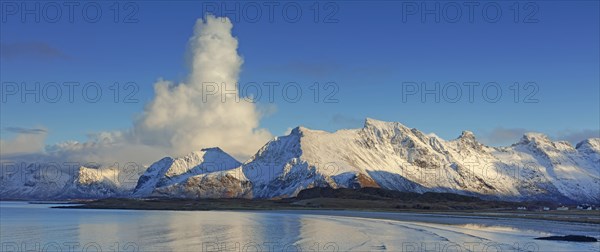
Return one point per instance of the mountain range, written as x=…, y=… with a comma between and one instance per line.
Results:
x=382, y=154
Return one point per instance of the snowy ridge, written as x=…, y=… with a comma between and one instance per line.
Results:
x=97, y=182
x=393, y=156
x=222, y=184
x=381, y=154
x=32, y=181
x=176, y=171
x=54, y=181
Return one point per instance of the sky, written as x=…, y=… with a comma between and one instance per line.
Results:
x=499, y=69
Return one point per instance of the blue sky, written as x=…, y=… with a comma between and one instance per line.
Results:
x=367, y=50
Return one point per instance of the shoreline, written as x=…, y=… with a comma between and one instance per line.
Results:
x=573, y=216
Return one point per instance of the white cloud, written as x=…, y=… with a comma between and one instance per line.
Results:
x=188, y=116
x=287, y=131
x=182, y=117
x=502, y=136
x=576, y=136
x=23, y=143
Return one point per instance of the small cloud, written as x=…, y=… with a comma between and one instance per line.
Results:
x=23, y=143
x=347, y=121
x=576, y=136
x=507, y=136
x=503, y=136
x=35, y=50
x=288, y=131
x=266, y=110
x=20, y=130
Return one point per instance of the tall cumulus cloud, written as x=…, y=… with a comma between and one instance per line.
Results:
x=182, y=117
x=192, y=115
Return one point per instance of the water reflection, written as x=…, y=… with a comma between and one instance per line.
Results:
x=36, y=227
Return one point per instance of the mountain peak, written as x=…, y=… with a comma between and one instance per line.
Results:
x=373, y=123
x=298, y=130
x=467, y=138
x=169, y=171
x=535, y=138
x=467, y=135
x=592, y=144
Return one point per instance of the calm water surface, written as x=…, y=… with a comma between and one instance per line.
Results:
x=37, y=227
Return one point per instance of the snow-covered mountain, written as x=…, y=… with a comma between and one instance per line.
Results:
x=54, y=180
x=169, y=176
x=99, y=182
x=393, y=156
x=381, y=154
